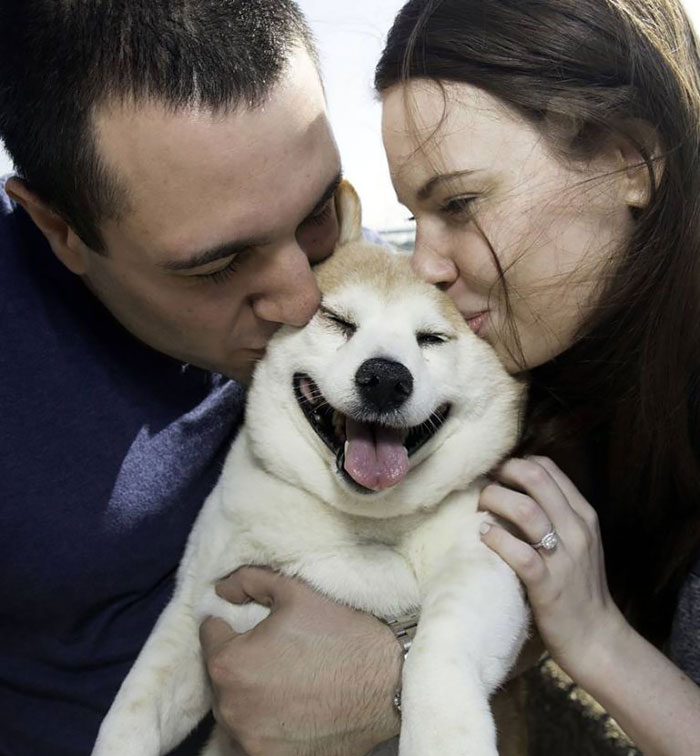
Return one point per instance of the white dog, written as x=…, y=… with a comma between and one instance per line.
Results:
x=358, y=469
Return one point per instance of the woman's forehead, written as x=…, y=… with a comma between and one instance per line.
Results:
x=454, y=127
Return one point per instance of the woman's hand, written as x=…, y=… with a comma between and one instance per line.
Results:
x=313, y=677
x=583, y=630
x=566, y=586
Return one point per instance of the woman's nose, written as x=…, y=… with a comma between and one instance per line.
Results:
x=434, y=266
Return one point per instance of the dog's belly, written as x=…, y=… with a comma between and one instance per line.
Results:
x=370, y=577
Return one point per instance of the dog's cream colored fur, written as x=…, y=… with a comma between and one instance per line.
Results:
x=281, y=502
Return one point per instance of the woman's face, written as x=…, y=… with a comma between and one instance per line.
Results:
x=477, y=178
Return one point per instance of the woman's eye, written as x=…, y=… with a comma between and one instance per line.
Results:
x=427, y=338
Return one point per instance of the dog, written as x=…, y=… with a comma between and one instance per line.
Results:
x=358, y=469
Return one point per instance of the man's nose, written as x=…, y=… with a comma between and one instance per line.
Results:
x=434, y=266
x=287, y=293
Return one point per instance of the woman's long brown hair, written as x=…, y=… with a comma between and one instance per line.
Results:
x=627, y=391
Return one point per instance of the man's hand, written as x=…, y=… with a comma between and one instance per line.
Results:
x=313, y=679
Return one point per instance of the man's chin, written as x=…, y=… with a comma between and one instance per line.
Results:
x=242, y=367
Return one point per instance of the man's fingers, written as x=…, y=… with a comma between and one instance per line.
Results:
x=254, y=584
x=214, y=634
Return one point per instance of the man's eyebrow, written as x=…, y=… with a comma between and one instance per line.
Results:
x=206, y=256
x=425, y=191
x=228, y=249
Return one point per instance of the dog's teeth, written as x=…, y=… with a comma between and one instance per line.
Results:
x=345, y=447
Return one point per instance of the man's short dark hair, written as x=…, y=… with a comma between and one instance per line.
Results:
x=61, y=59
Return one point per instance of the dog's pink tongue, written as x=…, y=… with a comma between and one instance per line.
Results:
x=375, y=456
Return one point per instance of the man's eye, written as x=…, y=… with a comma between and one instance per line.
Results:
x=320, y=217
x=219, y=276
x=459, y=207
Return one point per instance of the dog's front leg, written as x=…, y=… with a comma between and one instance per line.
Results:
x=164, y=695
x=473, y=623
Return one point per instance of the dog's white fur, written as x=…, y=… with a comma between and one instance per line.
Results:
x=281, y=502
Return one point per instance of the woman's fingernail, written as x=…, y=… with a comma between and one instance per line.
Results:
x=484, y=528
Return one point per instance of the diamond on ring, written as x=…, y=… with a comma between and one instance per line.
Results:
x=548, y=542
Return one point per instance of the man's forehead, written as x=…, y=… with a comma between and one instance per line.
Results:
x=146, y=140
x=266, y=204
x=224, y=166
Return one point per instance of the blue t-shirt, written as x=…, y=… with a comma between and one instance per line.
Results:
x=107, y=452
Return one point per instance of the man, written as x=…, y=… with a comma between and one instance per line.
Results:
x=175, y=185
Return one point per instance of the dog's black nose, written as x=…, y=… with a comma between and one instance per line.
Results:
x=384, y=384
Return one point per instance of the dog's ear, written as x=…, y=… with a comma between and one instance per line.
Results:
x=349, y=210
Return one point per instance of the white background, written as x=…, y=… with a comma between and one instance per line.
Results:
x=350, y=35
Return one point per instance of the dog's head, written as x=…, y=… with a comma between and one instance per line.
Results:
x=386, y=401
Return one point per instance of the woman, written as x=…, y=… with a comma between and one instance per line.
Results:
x=549, y=151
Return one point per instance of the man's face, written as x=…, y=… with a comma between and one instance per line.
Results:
x=227, y=214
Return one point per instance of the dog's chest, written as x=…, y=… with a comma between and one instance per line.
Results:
x=377, y=565
x=384, y=566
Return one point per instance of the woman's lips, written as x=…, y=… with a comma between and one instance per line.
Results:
x=476, y=320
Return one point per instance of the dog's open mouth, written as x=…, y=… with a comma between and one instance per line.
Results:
x=370, y=456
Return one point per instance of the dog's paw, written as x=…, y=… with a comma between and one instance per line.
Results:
x=454, y=741
x=461, y=725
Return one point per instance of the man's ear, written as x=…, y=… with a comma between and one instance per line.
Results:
x=643, y=141
x=65, y=243
x=349, y=210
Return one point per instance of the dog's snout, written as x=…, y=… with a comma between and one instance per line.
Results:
x=384, y=384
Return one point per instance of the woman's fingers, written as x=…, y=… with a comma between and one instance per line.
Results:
x=518, y=509
x=541, y=480
x=522, y=558
x=531, y=478
x=577, y=502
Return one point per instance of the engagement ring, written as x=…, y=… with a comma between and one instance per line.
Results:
x=548, y=542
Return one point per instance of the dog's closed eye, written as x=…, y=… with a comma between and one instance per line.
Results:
x=428, y=338
x=346, y=327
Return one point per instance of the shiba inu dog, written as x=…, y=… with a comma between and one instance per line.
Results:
x=357, y=469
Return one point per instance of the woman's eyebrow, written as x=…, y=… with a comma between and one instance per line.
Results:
x=429, y=187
